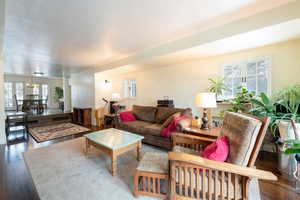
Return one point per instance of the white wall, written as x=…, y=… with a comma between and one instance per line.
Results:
x=2, y=117
x=52, y=84
x=83, y=90
x=183, y=81
x=67, y=95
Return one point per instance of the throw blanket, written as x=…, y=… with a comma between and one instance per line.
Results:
x=167, y=132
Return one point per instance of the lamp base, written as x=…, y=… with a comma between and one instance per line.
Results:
x=205, y=124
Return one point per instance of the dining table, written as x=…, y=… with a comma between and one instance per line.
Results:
x=32, y=104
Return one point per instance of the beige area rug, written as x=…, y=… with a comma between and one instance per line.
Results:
x=63, y=172
x=45, y=133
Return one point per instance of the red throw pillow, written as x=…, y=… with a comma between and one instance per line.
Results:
x=218, y=150
x=127, y=116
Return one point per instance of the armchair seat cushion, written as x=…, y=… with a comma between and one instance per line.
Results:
x=154, y=162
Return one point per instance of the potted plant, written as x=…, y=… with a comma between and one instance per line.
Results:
x=264, y=107
x=217, y=86
x=293, y=148
x=290, y=110
x=59, y=95
x=282, y=109
x=241, y=101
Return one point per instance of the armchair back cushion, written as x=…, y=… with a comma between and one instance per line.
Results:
x=242, y=131
x=144, y=113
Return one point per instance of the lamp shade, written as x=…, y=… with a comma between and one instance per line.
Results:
x=206, y=100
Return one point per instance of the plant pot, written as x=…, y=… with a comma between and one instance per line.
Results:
x=297, y=173
x=286, y=130
x=286, y=163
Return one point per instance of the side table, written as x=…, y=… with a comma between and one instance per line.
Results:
x=110, y=120
x=211, y=133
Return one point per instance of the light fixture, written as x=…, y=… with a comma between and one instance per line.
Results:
x=206, y=100
x=38, y=74
x=107, y=84
x=32, y=84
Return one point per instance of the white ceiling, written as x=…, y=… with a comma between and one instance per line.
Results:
x=261, y=37
x=63, y=36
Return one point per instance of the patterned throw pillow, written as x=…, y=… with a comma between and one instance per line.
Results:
x=170, y=119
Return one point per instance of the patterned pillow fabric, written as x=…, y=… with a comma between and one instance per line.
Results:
x=170, y=119
x=144, y=113
x=163, y=113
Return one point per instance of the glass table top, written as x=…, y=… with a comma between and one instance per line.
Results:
x=113, y=138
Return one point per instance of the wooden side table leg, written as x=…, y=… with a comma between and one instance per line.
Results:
x=87, y=146
x=114, y=163
x=139, y=151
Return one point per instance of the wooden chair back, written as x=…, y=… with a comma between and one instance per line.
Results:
x=259, y=140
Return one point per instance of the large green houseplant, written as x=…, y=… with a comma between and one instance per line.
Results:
x=217, y=86
x=263, y=106
x=293, y=148
x=290, y=110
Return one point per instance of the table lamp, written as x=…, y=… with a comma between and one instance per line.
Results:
x=205, y=100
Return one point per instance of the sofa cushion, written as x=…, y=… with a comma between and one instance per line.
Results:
x=144, y=113
x=163, y=113
x=153, y=129
x=242, y=132
x=141, y=127
x=134, y=126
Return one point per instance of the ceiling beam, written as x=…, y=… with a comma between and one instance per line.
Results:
x=260, y=20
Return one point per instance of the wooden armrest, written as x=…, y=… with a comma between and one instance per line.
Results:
x=222, y=166
x=193, y=137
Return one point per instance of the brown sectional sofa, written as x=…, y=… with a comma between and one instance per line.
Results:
x=149, y=124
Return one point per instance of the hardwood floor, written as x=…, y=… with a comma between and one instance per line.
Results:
x=17, y=184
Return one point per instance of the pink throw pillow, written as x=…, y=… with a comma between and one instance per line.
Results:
x=127, y=116
x=218, y=150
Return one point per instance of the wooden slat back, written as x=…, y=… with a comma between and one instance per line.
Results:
x=189, y=181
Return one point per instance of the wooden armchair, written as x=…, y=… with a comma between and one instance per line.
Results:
x=193, y=177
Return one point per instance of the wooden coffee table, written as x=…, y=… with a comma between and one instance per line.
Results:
x=114, y=142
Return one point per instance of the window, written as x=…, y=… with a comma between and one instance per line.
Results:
x=8, y=94
x=129, y=88
x=253, y=75
x=36, y=89
x=44, y=91
x=19, y=90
